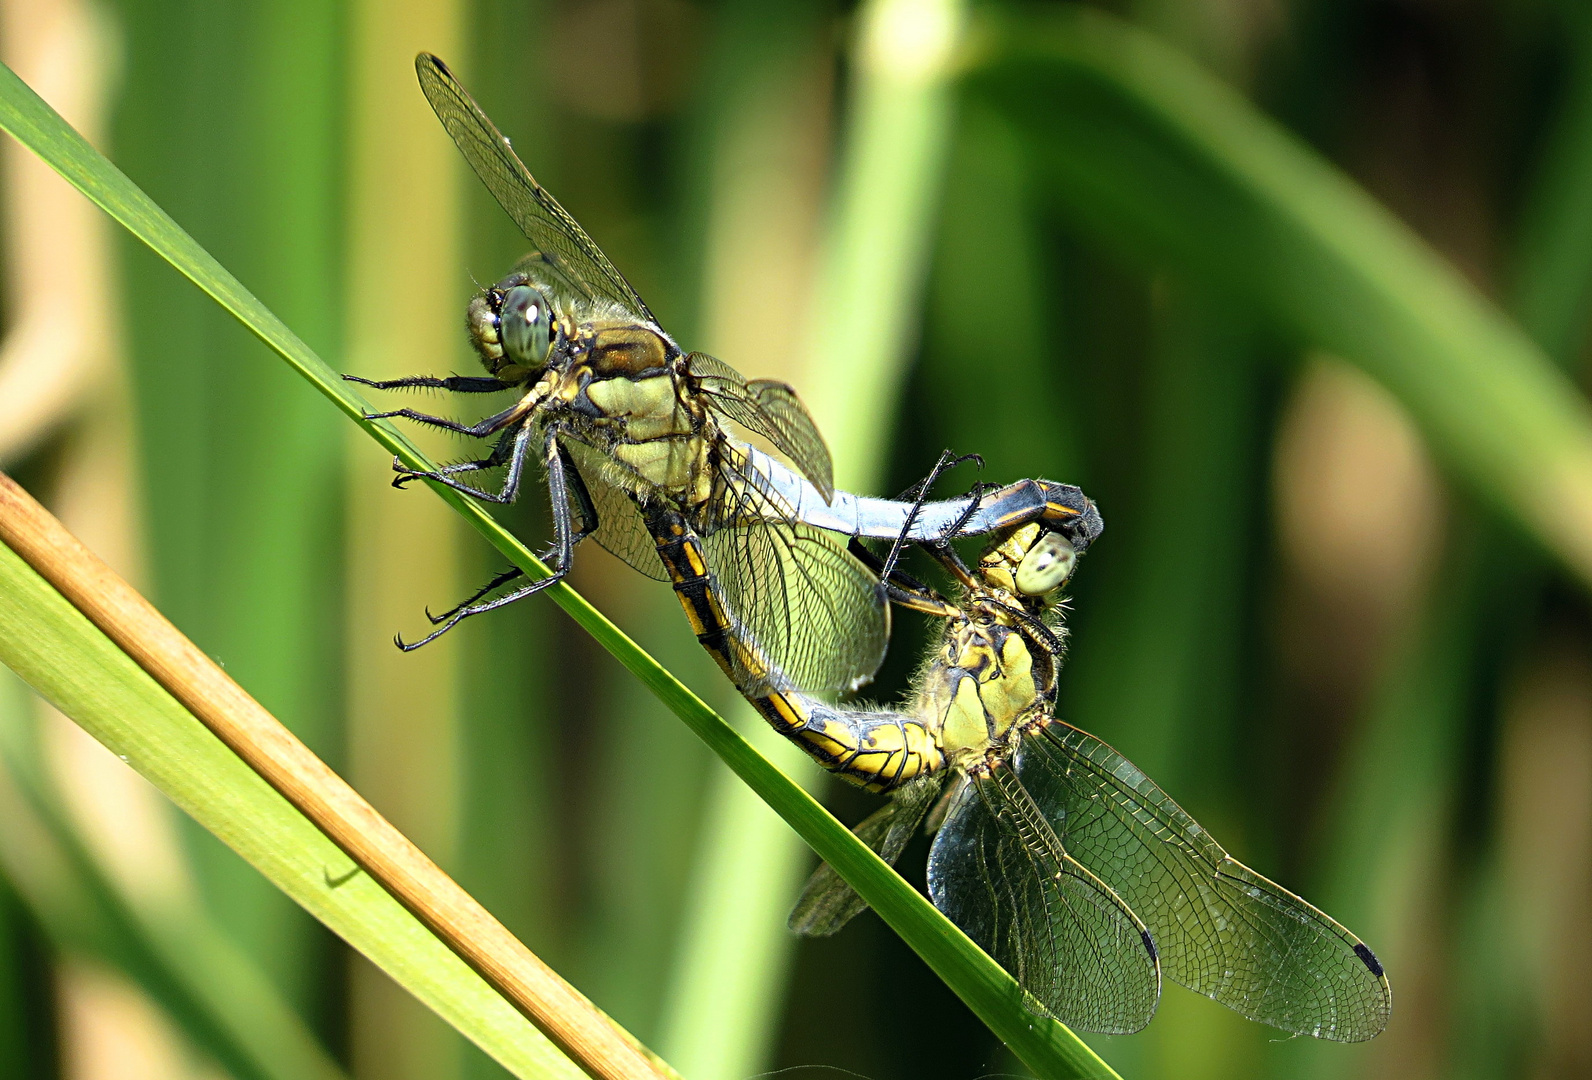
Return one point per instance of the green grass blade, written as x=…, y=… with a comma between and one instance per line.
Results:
x=1157, y=157
x=70, y=663
x=1046, y=1046
x=209, y=987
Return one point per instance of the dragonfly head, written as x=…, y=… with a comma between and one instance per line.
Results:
x=1033, y=560
x=513, y=327
x=1046, y=565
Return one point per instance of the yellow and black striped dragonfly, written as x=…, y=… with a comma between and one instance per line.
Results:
x=1055, y=853
x=630, y=429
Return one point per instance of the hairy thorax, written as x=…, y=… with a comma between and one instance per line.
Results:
x=980, y=685
x=622, y=393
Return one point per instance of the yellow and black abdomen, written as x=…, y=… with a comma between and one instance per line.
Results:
x=876, y=750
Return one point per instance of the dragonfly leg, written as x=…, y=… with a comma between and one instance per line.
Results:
x=499, y=454
x=583, y=503
x=458, y=384
x=944, y=554
x=501, y=579
x=511, y=484
x=919, y=494
x=464, y=612
x=564, y=534
x=901, y=588
x=406, y=475
x=430, y=421
x=479, y=430
x=583, y=499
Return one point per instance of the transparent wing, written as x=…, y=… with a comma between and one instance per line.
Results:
x=811, y=609
x=999, y=872
x=620, y=528
x=772, y=410
x=545, y=223
x=1222, y=929
x=827, y=903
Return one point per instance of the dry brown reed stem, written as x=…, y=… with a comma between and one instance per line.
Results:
x=580, y=1029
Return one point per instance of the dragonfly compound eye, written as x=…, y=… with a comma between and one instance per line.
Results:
x=1048, y=565
x=525, y=326
x=483, y=323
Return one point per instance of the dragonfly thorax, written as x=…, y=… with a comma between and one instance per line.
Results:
x=983, y=683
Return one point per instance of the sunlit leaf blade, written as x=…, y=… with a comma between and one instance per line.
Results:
x=1158, y=158
x=75, y=667
x=1045, y=1046
x=207, y=985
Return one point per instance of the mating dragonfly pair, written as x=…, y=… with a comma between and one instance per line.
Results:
x=1052, y=851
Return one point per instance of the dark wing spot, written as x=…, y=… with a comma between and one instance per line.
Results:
x=1149, y=946
x=1369, y=959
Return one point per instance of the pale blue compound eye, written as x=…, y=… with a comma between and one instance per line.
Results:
x=525, y=327
x=1047, y=566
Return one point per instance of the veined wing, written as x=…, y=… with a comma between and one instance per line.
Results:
x=814, y=613
x=772, y=410
x=827, y=903
x=998, y=871
x=1223, y=930
x=545, y=223
x=620, y=528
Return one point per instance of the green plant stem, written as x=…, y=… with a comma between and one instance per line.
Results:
x=281, y=759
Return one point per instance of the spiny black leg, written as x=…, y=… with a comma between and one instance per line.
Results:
x=478, y=430
x=406, y=475
x=900, y=587
x=563, y=537
x=499, y=454
x=511, y=484
x=422, y=418
x=975, y=498
x=1047, y=637
x=502, y=579
x=919, y=494
x=583, y=499
x=480, y=609
x=920, y=490
x=943, y=553
x=459, y=384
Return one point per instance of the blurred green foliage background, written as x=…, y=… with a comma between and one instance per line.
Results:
x=1318, y=616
